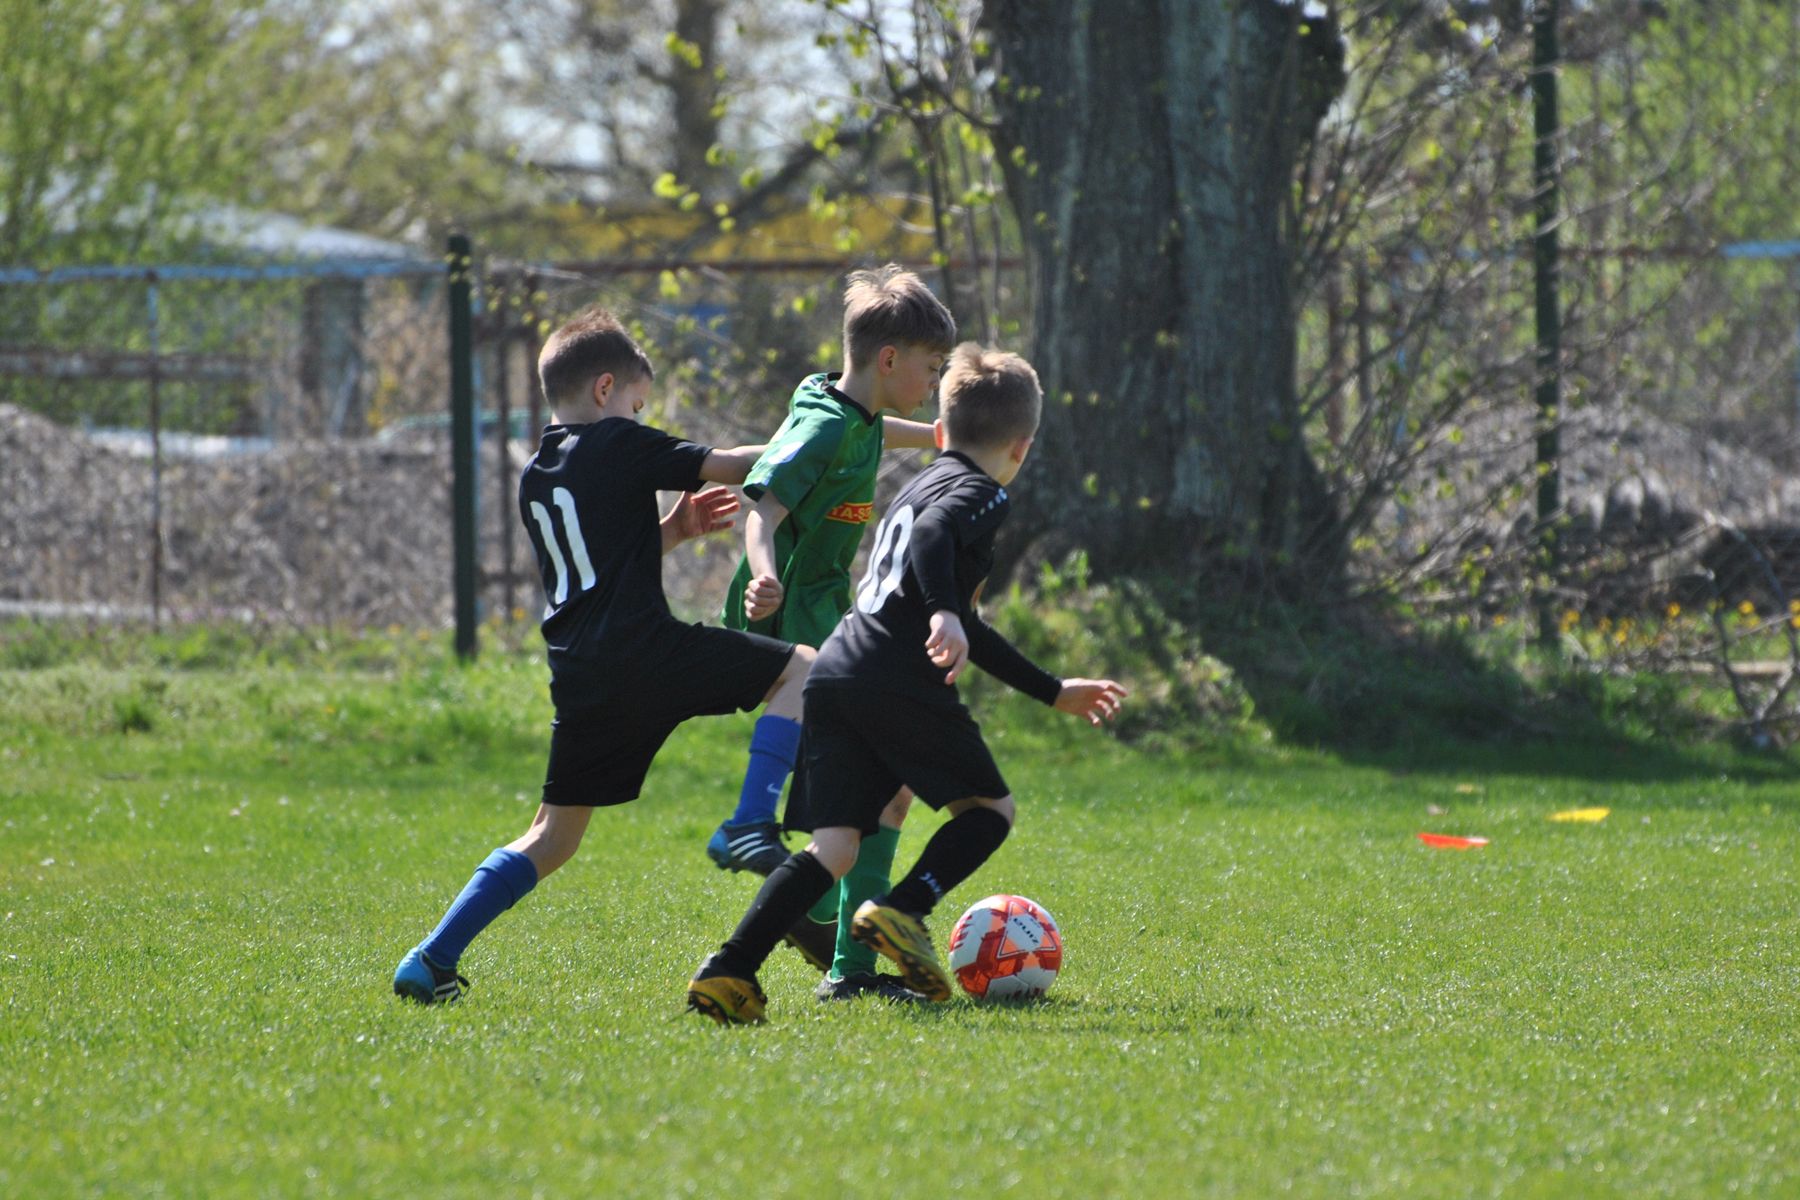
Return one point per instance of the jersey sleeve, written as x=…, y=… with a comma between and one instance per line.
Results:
x=989, y=650
x=669, y=463
x=932, y=559
x=798, y=457
x=963, y=516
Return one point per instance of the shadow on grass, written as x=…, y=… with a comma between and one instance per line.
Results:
x=1378, y=697
x=1198, y=1017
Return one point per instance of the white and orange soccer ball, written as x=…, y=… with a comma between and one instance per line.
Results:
x=1006, y=948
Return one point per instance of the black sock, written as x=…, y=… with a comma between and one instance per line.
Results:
x=790, y=890
x=953, y=854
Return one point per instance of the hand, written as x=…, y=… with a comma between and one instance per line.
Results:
x=697, y=514
x=1097, y=700
x=762, y=596
x=948, y=645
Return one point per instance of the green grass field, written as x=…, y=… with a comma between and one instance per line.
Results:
x=211, y=864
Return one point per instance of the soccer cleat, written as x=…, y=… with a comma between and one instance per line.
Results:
x=727, y=999
x=418, y=978
x=816, y=943
x=903, y=938
x=752, y=846
x=865, y=983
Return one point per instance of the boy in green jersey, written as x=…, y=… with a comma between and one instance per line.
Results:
x=814, y=492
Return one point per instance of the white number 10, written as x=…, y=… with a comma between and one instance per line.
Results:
x=890, y=547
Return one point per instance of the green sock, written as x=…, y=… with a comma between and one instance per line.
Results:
x=865, y=881
x=825, y=911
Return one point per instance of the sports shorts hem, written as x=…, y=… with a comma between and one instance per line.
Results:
x=859, y=746
x=600, y=754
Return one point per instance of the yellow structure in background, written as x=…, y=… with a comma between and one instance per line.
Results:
x=886, y=227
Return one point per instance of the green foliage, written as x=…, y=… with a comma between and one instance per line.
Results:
x=1121, y=631
x=122, y=115
x=1308, y=678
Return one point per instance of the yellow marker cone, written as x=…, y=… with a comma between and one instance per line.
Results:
x=1590, y=815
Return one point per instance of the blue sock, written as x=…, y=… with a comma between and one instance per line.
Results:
x=772, y=747
x=498, y=883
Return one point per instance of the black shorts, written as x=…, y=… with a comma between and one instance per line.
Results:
x=859, y=746
x=599, y=755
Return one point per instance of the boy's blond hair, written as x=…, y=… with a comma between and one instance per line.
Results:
x=989, y=398
x=890, y=306
x=590, y=344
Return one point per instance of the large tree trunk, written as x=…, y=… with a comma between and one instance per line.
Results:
x=1151, y=151
x=694, y=92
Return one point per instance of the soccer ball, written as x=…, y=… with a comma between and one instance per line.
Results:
x=1005, y=948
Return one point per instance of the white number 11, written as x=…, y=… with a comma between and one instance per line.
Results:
x=565, y=504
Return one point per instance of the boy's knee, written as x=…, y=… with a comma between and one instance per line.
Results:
x=897, y=808
x=1003, y=805
x=835, y=850
x=799, y=663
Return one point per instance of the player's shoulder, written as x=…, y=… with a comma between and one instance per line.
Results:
x=816, y=395
x=951, y=477
x=816, y=421
x=971, y=501
x=599, y=437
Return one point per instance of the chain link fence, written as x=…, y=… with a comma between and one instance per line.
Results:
x=1681, y=417
x=273, y=443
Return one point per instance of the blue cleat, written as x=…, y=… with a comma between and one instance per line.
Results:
x=418, y=978
x=752, y=846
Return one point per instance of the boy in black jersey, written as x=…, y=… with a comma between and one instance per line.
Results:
x=623, y=671
x=881, y=706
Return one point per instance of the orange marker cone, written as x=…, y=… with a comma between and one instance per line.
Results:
x=1449, y=841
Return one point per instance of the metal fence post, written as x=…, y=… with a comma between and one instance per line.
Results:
x=1546, y=179
x=153, y=303
x=462, y=440
x=503, y=481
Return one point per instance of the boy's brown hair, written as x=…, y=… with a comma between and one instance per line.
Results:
x=989, y=397
x=590, y=344
x=890, y=306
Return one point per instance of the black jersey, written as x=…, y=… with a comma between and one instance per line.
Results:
x=588, y=500
x=933, y=550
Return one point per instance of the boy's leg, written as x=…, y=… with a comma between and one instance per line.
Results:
x=976, y=829
x=868, y=878
x=428, y=972
x=894, y=924
x=725, y=987
x=750, y=839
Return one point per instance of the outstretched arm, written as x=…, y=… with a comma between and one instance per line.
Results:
x=730, y=466
x=897, y=433
x=1095, y=700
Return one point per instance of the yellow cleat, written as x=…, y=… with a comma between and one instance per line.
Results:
x=903, y=938
x=725, y=998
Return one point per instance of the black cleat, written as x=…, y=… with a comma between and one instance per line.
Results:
x=816, y=943
x=851, y=987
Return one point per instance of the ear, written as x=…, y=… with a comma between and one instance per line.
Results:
x=938, y=435
x=887, y=358
x=1021, y=448
x=603, y=388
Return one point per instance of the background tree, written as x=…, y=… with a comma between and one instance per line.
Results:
x=121, y=117
x=1159, y=220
